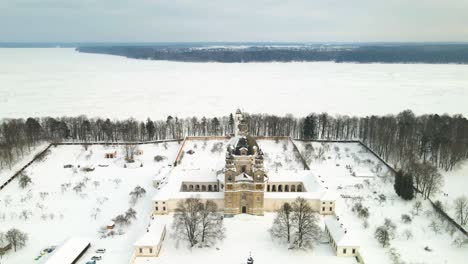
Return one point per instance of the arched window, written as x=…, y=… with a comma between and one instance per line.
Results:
x=286, y=188
x=197, y=188
x=184, y=187
x=210, y=188
x=203, y=188
x=280, y=188
x=268, y=187
x=215, y=187
x=191, y=187
x=273, y=188
x=293, y=188
x=299, y=188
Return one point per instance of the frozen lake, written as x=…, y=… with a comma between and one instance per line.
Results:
x=58, y=82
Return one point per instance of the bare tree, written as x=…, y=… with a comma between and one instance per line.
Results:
x=461, y=209
x=117, y=181
x=129, y=150
x=130, y=214
x=16, y=238
x=95, y=212
x=427, y=178
x=121, y=220
x=408, y=234
x=382, y=235
x=416, y=207
x=282, y=225
x=136, y=194
x=305, y=224
x=187, y=219
x=211, y=222
x=385, y=233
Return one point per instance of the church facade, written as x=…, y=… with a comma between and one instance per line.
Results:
x=244, y=174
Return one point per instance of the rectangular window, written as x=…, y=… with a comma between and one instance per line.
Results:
x=344, y=250
x=141, y=250
x=164, y=208
x=157, y=209
x=323, y=208
x=354, y=251
x=151, y=250
x=331, y=208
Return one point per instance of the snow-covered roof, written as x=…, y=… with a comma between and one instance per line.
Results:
x=339, y=233
x=155, y=231
x=69, y=251
x=313, y=188
x=171, y=187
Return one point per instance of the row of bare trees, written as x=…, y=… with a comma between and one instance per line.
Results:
x=441, y=140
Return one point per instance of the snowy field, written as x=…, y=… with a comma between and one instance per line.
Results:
x=247, y=234
x=63, y=214
x=371, y=179
x=347, y=169
x=58, y=82
x=455, y=182
x=280, y=155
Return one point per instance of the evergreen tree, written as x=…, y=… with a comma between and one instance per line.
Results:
x=309, y=127
x=407, y=187
x=231, y=123
x=404, y=185
x=398, y=182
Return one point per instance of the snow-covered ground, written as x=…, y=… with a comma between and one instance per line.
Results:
x=59, y=82
x=279, y=155
x=71, y=211
x=454, y=186
x=247, y=234
x=347, y=169
x=370, y=181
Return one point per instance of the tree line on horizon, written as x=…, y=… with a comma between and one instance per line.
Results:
x=402, y=139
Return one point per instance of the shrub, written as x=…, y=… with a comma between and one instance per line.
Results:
x=405, y=218
x=159, y=158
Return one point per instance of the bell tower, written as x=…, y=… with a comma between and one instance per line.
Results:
x=244, y=174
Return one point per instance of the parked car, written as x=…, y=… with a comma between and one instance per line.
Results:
x=101, y=250
x=91, y=262
x=96, y=258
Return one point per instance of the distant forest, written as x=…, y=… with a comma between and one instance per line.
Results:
x=441, y=140
x=402, y=53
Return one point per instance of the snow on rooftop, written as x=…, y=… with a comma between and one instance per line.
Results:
x=171, y=188
x=69, y=251
x=338, y=231
x=313, y=188
x=155, y=231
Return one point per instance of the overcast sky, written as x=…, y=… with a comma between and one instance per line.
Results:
x=233, y=20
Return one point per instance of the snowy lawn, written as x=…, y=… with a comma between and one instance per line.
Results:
x=280, y=155
x=247, y=234
x=60, y=213
x=332, y=162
